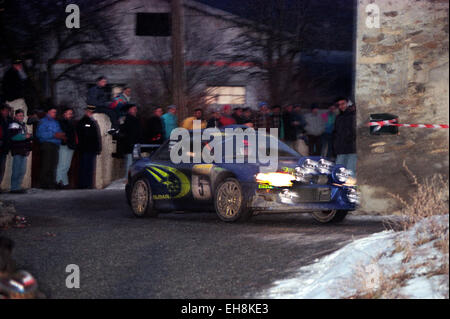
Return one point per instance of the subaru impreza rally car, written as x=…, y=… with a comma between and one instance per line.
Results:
x=235, y=191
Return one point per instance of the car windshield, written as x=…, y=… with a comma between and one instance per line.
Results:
x=234, y=147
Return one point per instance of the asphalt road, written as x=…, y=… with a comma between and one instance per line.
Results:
x=176, y=255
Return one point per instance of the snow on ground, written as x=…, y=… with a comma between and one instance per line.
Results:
x=370, y=262
x=117, y=184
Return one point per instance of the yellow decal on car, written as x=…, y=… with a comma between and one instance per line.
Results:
x=177, y=183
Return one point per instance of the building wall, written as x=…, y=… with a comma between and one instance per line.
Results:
x=133, y=69
x=402, y=68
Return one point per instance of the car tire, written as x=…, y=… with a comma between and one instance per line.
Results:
x=330, y=216
x=141, y=199
x=229, y=202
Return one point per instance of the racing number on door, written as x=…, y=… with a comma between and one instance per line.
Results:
x=201, y=187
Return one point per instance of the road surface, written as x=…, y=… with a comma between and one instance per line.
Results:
x=176, y=255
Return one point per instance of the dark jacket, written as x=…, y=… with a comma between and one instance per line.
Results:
x=154, y=131
x=20, y=144
x=344, y=140
x=13, y=85
x=4, y=134
x=89, y=139
x=290, y=130
x=130, y=134
x=98, y=97
x=68, y=127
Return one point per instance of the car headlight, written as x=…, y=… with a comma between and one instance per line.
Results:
x=309, y=166
x=302, y=175
x=353, y=196
x=275, y=179
x=324, y=166
x=341, y=174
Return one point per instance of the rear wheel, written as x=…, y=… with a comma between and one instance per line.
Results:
x=330, y=216
x=229, y=201
x=141, y=199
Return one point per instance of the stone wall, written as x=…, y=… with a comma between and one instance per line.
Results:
x=107, y=168
x=402, y=68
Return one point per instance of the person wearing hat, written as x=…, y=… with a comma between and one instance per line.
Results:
x=188, y=123
x=263, y=118
x=14, y=81
x=20, y=149
x=130, y=134
x=50, y=136
x=170, y=121
x=66, y=149
x=314, y=128
x=98, y=97
x=89, y=145
x=344, y=135
x=226, y=118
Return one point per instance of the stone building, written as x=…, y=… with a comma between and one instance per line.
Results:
x=402, y=68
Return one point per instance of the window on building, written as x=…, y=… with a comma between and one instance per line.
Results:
x=225, y=95
x=153, y=24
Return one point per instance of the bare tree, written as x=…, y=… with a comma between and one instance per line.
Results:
x=204, y=65
x=38, y=28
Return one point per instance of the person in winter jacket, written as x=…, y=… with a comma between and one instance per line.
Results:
x=66, y=149
x=5, y=120
x=327, y=137
x=188, y=123
x=344, y=136
x=20, y=149
x=98, y=97
x=50, y=136
x=170, y=121
x=130, y=134
x=14, y=81
x=314, y=129
x=154, y=129
x=89, y=145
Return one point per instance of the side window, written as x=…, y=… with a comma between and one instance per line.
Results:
x=163, y=153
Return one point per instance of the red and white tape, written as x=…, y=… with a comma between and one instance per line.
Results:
x=380, y=124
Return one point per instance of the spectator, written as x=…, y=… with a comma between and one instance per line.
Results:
x=226, y=118
x=188, y=122
x=344, y=139
x=170, y=121
x=301, y=145
x=327, y=137
x=247, y=116
x=263, y=118
x=214, y=120
x=314, y=129
x=98, y=97
x=131, y=134
x=14, y=81
x=20, y=149
x=120, y=101
x=154, y=129
x=50, y=136
x=277, y=121
x=290, y=131
x=66, y=149
x=5, y=120
x=89, y=145
x=237, y=115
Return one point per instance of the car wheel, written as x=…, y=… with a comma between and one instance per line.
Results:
x=229, y=201
x=330, y=216
x=141, y=199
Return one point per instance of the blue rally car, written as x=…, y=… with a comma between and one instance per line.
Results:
x=236, y=187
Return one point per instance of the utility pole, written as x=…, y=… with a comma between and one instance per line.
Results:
x=178, y=97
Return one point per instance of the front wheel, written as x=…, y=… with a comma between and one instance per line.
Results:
x=141, y=199
x=229, y=201
x=330, y=216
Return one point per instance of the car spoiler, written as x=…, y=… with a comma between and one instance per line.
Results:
x=150, y=148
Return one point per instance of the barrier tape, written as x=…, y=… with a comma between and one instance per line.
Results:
x=380, y=124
